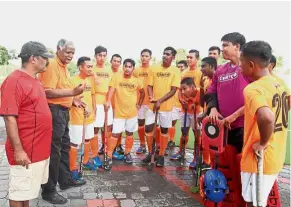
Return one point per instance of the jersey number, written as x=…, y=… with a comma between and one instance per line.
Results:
x=281, y=103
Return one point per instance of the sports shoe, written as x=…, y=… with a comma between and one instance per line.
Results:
x=97, y=161
x=101, y=151
x=147, y=159
x=160, y=161
x=205, y=166
x=176, y=156
x=171, y=144
x=75, y=174
x=128, y=159
x=141, y=149
x=119, y=150
x=90, y=165
x=193, y=164
x=117, y=156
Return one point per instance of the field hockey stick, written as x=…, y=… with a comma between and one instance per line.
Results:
x=83, y=143
x=106, y=164
x=184, y=135
x=259, y=183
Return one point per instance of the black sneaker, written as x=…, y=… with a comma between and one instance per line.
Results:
x=72, y=183
x=205, y=166
x=54, y=198
x=101, y=151
x=160, y=161
x=147, y=159
x=119, y=150
x=171, y=144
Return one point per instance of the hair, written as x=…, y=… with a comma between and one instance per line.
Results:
x=128, y=60
x=235, y=38
x=82, y=60
x=25, y=59
x=184, y=62
x=115, y=55
x=210, y=61
x=173, y=51
x=146, y=50
x=100, y=49
x=258, y=51
x=274, y=61
x=196, y=52
x=62, y=43
x=188, y=81
x=214, y=48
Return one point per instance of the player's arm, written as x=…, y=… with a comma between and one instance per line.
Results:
x=168, y=95
x=150, y=92
x=141, y=96
x=231, y=118
x=265, y=121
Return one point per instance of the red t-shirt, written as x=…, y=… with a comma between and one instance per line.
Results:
x=23, y=96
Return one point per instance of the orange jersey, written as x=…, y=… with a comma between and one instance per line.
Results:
x=120, y=71
x=162, y=79
x=57, y=76
x=103, y=75
x=125, y=96
x=76, y=114
x=196, y=75
x=265, y=92
x=143, y=74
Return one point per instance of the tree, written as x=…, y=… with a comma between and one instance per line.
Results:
x=72, y=68
x=4, y=56
x=51, y=51
x=13, y=54
x=181, y=55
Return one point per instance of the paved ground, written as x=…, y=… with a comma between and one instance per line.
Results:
x=131, y=185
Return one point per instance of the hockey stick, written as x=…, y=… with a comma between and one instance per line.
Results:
x=259, y=183
x=106, y=164
x=152, y=163
x=184, y=134
x=83, y=143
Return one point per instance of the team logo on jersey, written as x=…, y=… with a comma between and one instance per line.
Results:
x=163, y=75
x=102, y=75
x=143, y=75
x=227, y=77
x=127, y=85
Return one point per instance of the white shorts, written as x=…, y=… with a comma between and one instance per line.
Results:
x=176, y=114
x=249, y=187
x=100, y=116
x=189, y=121
x=76, y=132
x=164, y=118
x=142, y=112
x=120, y=125
x=24, y=184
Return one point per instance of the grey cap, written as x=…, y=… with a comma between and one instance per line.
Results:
x=34, y=49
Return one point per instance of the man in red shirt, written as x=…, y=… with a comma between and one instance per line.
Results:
x=28, y=123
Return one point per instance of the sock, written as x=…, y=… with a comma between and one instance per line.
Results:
x=119, y=141
x=128, y=144
x=187, y=139
x=141, y=135
x=111, y=143
x=73, y=158
x=158, y=136
x=149, y=138
x=86, y=152
x=172, y=132
x=164, y=141
x=94, y=146
x=206, y=156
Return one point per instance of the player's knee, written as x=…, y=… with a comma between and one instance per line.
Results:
x=116, y=135
x=164, y=130
x=128, y=133
x=141, y=122
x=73, y=144
x=149, y=128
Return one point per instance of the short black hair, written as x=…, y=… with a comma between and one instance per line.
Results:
x=188, y=81
x=146, y=50
x=173, y=51
x=210, y=61
x=100, y=49
x=115, y=55
x=214, y=48
x=235, y=38
x=273, y=60
x=128, y=60
x=82, y=60
x=196, y=52
x=184, y=62
x=258, y=51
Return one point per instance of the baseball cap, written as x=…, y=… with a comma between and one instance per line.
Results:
x=34, y=49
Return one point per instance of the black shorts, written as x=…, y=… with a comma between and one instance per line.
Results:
x=236, y=138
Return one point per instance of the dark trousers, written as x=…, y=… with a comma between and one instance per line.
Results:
x=236, y=138
x=59, y=170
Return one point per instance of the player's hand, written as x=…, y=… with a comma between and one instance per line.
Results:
x=157, y=106
x=21, y=158
x=151, y=99
x=138, y=106
x=107, y=105
x=77, y=101
x=257, y=147
x=87, y=112
x=79, y=89
x=227, y=121
x=200, y=117
x=214, y=116
x=184, y=103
